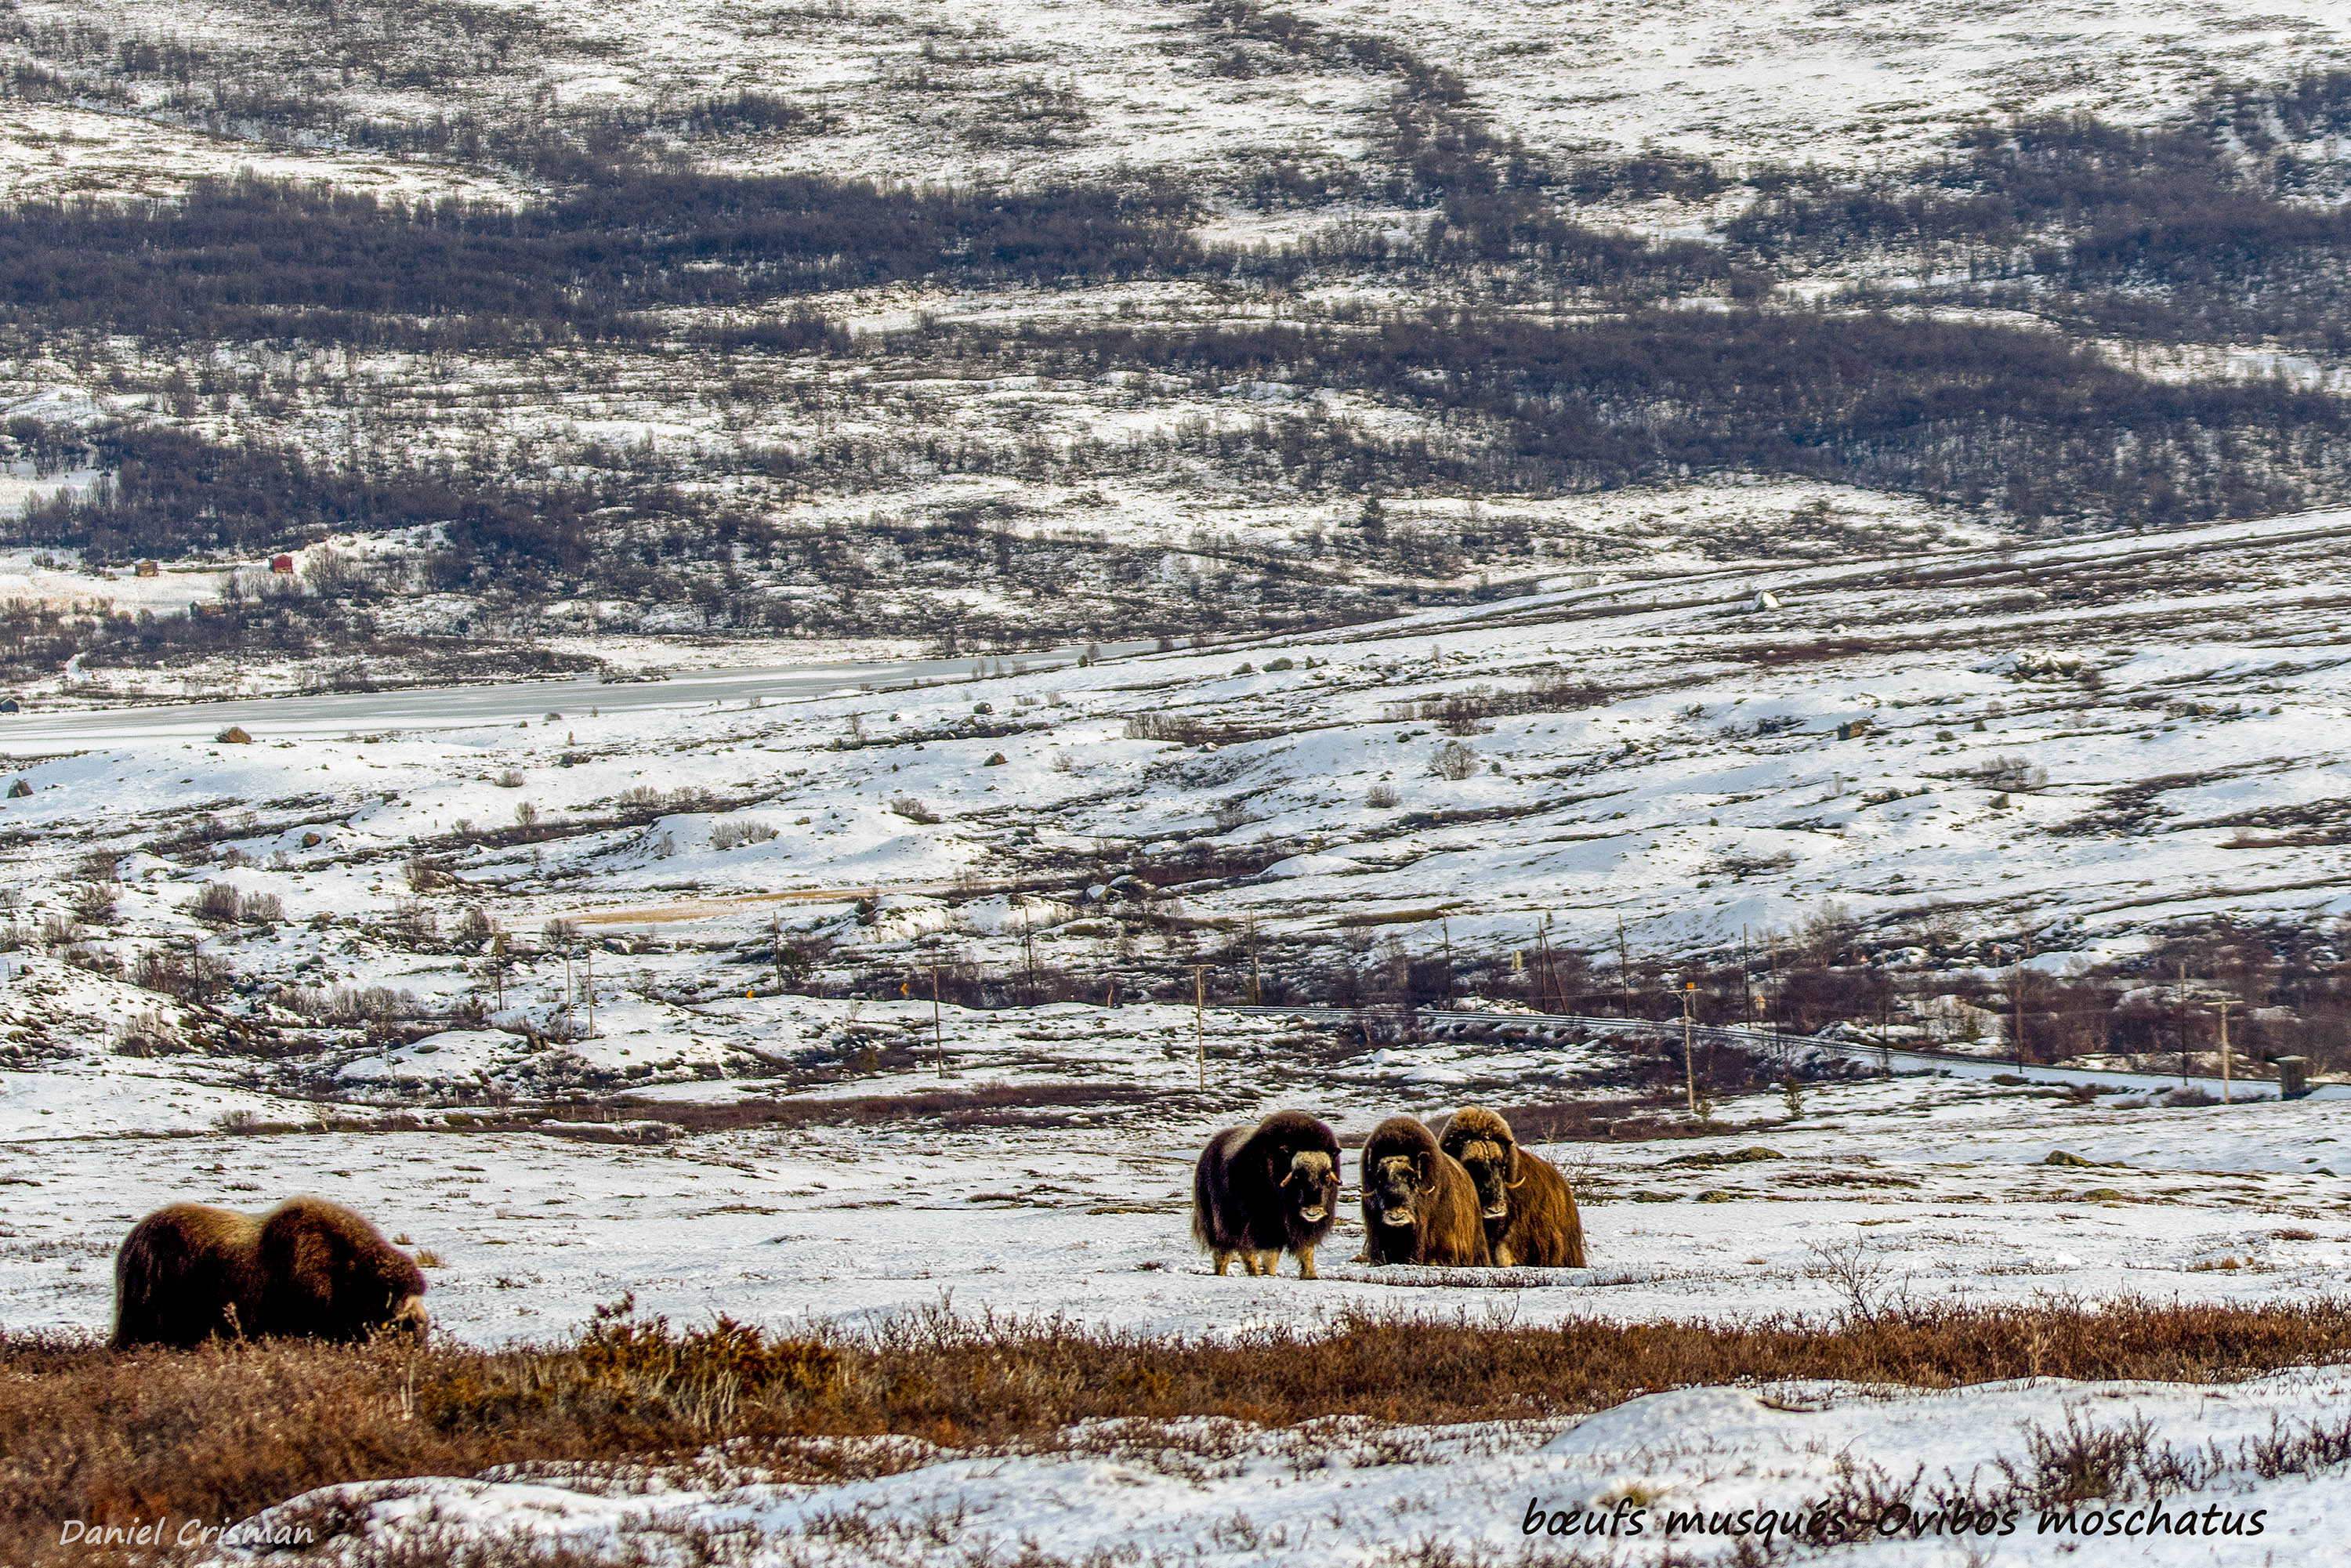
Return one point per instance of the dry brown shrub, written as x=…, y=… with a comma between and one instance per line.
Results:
x=221, y=1432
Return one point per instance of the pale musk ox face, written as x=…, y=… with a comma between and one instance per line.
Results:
x=1492, y=1166
x=1312, y=1186
x=1393, y=1187
x=408, y=1319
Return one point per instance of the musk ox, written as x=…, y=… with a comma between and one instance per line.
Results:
x=1419, y=1206
x=308, y=1269
x=1261, y=1191
x=1529, y=1212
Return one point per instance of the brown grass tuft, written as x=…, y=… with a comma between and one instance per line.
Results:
x=221, y=1432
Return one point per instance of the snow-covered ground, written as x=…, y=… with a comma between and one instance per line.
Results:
x=2182, y=692
x=1890, y=1476
x=2094, y=735
x=996, y=89
x=1075, y=1202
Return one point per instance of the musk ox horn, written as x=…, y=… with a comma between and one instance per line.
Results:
x=1514, y=1185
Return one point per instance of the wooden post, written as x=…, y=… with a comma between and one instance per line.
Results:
x=2223, y=1005
x=938, y=1028
x=1256, y=988
x=588, y=959
x=1199, y=1020
x=1746, y=984
x=570, y=1026
x=1624, y=967
x=2180, y=1019
x=1690, y=1050
x=1542, y=946
x=2016, y=1009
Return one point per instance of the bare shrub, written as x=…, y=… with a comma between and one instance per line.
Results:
x=147, y=1034
x=1157, y=726
x=215, y=903
x=99, y=865
x=93, y=903
x=1455, y=761
x=350, y=1004
x=2011, y=774
x=509, y=779
x=412, y=921
x=729, y=836
x=229, y=1429
x=1740, y=862
x=1381, y=796
x=913, y=809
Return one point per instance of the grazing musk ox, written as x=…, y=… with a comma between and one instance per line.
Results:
x=1261, y=1191
x=1419, y=1206
x=1529, y=1213
x=307, y=1269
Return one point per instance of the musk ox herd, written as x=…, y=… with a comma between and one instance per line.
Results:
x=1465, y=1195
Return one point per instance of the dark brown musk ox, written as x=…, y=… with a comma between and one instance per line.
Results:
x=1261, y=1191
x=1529, y=1213
x=1419, y=1205
x=307, y=1269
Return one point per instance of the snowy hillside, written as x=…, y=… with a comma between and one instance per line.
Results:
x=741, y=668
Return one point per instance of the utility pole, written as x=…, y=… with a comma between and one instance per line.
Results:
x=1624, y=967
x=2016, y=1008
x=2180, y=1019
x=1690, y=1049
x=588, y=959
x=1445, y=924
x=1199, y=1020
x=498, y=965
x=1542, y=946
x=1745, y=983
x=938, y=1028
x=1028, y=948
x=570, y=1027
x=1256, y=988
x=2223, y=1005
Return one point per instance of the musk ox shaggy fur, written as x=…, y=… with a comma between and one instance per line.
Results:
x=307, y=1270
x=1529, y=1212
x=1261, y=1191
x=1419, y=1206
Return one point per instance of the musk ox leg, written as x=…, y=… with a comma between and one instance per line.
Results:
x=1254, y=1262
x=1306, y=1264
x=1224, y=1261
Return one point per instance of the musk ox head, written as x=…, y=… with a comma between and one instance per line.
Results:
x=409, y=1319
x=1482, y=1141
x=1494, y=1167
x=1309, y=1183
x=1392, y=1185
x=388, y=1297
